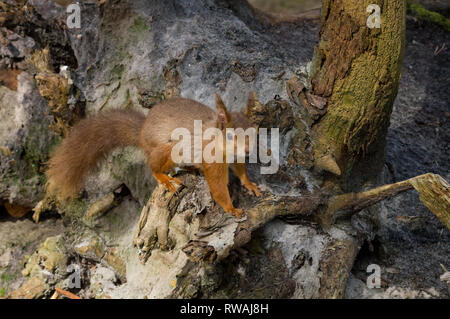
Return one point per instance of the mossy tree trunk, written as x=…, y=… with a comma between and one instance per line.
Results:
x=357, y=69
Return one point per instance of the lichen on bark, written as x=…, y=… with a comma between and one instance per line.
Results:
x=358, y=70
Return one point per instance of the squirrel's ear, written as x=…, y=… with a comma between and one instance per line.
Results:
x=250, y=102
x=222, y=114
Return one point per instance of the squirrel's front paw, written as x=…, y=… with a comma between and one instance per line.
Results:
x=237, y=212
x=253, y=189
x=176, y=180
x=170, y=184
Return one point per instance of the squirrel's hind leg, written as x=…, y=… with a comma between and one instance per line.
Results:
x=160, y=162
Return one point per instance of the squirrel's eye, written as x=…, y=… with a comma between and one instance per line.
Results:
x=229, y=136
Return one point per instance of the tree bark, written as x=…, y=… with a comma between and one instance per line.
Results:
x=357, y=69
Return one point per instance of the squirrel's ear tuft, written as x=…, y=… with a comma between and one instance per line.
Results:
x=219, y=102
x=222, y=114
x=250, y=102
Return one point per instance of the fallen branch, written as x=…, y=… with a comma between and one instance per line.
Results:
x=66, y=293
x=212, y=234
x=433, y=191
x=264, y=211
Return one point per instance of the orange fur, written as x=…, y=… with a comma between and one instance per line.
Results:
x=92, y=138
x=88, y=142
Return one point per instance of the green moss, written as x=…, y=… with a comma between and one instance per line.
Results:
x=420, y=12
x=361, y=99
x=5, y=277
x=37, y=147
x=5, y=281
x=118, y=70
x=139, y=25
x=26, y=245
x=123, y=168
x=75, y=208
x=50, y=256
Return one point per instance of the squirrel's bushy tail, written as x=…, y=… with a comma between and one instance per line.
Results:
x=86, y=144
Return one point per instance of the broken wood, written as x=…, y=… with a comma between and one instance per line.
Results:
x=66, y=293
x=433, y=190
x=213, y=234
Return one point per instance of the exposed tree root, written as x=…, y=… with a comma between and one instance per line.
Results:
x=212, y=234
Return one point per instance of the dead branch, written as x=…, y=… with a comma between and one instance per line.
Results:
x=66, y=293
x=211, y=234
x=433, y=190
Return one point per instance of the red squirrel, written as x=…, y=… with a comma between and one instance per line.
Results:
x=92, y=138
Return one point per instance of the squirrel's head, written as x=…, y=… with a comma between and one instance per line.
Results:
x=244, y=134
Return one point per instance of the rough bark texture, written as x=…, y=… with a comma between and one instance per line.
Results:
x=358, y=70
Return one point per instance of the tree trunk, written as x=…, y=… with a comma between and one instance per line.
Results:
x=357, y=69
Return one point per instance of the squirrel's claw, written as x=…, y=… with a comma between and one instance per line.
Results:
x=176, y=180
x=238, y=212
x=253, y=189
x=170, y=186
